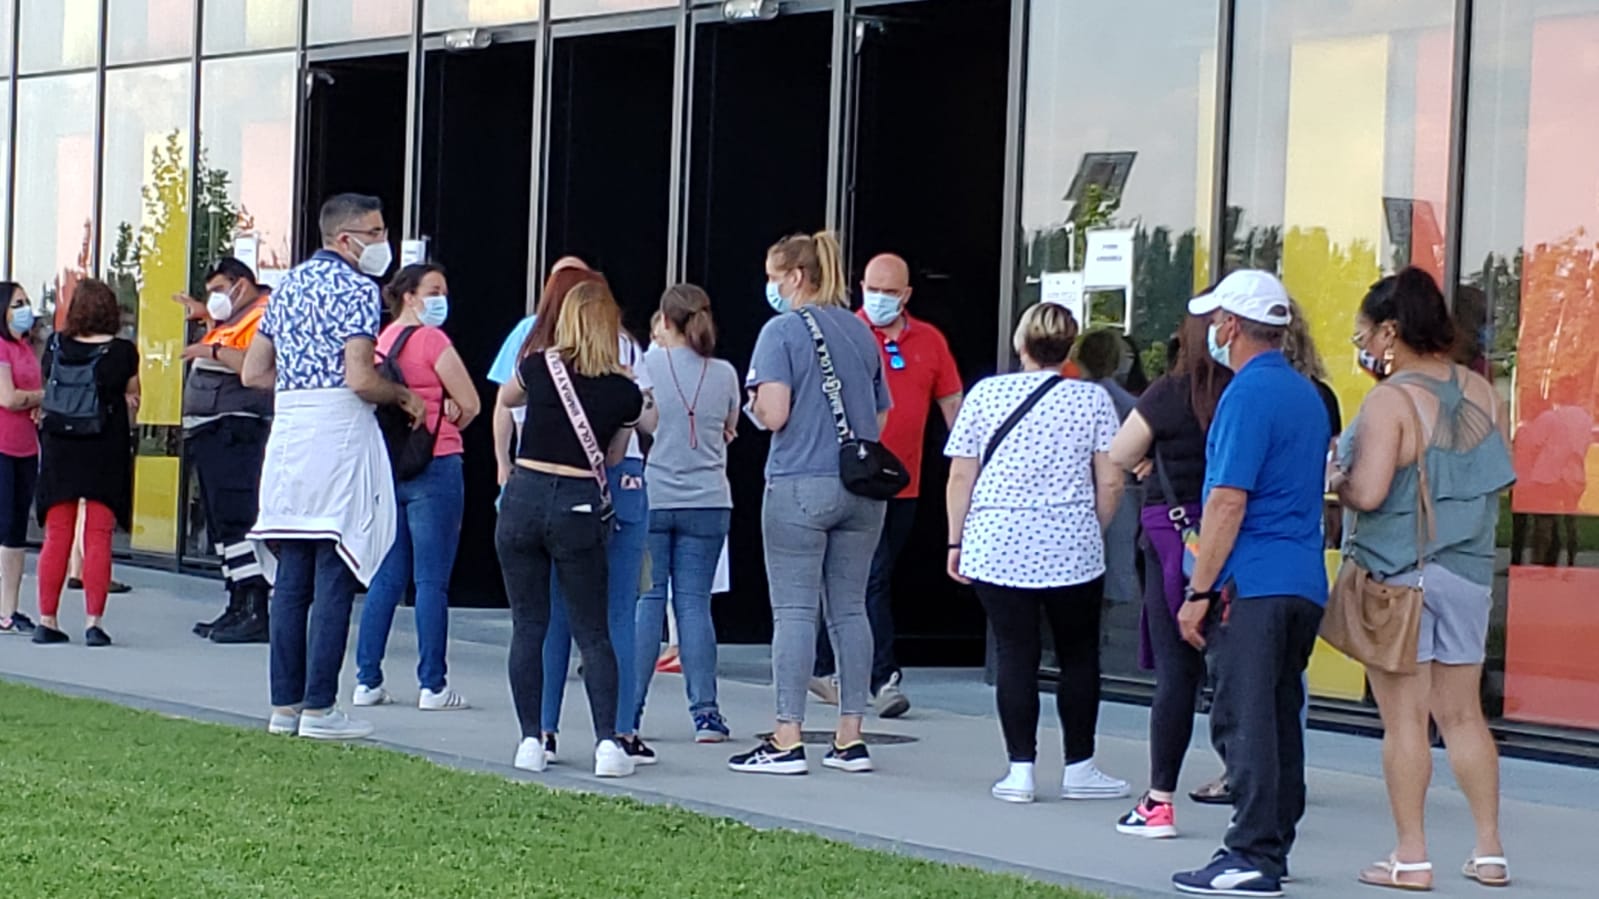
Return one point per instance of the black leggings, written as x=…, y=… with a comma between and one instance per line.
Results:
x=1073, y=614
x=1179, y=672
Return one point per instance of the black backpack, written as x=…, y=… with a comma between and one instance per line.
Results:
x=410, y=449
x=72, y=405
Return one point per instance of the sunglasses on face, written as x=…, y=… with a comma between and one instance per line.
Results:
x=895, y=360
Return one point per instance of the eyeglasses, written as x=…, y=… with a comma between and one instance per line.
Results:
x=1359, y=338
x=895, y=360
x=368, y=232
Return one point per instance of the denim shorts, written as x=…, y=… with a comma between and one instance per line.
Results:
x=1454, y=616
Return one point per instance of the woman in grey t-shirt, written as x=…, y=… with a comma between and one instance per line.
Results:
x=819, y=537
x=690, y=502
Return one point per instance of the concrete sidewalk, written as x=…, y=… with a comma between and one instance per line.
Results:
x=929, y=797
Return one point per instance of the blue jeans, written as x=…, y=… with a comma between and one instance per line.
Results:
x=625, y=561
x=312, y=582
x=685, y=545
x=428, y=530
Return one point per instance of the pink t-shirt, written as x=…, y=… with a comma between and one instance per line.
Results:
x=18, y=435
x=417, y=359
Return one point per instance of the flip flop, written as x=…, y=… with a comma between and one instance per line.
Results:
x=1386, y=874
x=1471, y=870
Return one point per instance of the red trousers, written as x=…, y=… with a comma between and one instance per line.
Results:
x=60, y=527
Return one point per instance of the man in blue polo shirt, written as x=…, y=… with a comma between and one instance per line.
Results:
x=1259, y=583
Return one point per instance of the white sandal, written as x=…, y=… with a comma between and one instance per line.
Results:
x=1392, y=868
x=1476, y=861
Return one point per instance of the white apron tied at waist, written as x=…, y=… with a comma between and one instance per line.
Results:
x=327, y=477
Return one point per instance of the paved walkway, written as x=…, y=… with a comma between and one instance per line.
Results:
x=929, y=797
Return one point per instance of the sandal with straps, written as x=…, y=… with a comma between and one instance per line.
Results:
x=1386, y=874
x=1474, y=865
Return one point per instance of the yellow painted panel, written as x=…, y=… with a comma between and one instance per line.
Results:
x=1332, y=195
x=1204, y=183
x=1333, y=674
x=155, y=503
x=161, y=329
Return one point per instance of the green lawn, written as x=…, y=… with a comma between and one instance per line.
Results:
x=99, y=800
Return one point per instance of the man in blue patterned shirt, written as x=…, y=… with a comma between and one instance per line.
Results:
x=327, y=508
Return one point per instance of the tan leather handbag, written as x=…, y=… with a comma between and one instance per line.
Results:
x=1378, y=624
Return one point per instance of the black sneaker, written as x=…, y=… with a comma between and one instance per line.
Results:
x=94, y=636
x=19, y=624
x=76, y=583
x=851, y=758
x=767, y=758
x=549, y=749
x=636, y=750
x=48, y=635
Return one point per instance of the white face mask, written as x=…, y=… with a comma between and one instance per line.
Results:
x=881, y=308
x=219, y=306
x=375, y=257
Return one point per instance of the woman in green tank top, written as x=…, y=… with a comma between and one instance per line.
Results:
x=1405, y=323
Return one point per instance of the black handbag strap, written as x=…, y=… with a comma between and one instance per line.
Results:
x=830, y=382
x=1018, y=414
x=1174, y=509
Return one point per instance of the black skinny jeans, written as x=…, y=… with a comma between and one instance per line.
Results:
x=551, y=524
x=1073, y=614
x=1179, y=673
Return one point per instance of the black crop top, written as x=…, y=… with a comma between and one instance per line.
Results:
x=611, y=403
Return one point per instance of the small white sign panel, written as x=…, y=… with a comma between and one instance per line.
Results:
x=1110, y=259
x=413, y=252
x=247, y=249
x=1064, y=289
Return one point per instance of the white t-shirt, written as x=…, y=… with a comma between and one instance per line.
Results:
x=1032, y=522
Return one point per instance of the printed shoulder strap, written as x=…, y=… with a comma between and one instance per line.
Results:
x=579, y=420
x=830, y=382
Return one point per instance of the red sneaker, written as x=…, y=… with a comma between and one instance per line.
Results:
x=1150, y=819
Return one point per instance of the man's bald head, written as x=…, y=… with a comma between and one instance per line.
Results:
x=566, y=262
x=887, y=273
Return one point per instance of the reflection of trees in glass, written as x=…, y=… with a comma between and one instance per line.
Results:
x=169, y=233
x=1499, y=279
x=1163, y=269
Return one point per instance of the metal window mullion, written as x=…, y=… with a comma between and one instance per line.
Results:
x=837, y=88
x=11, y=139
x=536, y=176
x=301, y=97
x=1222, y=138
x=1010, y=222
x=99, y=143
x=182, y=536
x=682, y=83
x=1456, y=188
x=413, y=123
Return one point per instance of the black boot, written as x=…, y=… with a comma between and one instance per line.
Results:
x=251, y=626
x=229, y=615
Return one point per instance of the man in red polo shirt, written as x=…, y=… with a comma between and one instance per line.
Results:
x=921, y=373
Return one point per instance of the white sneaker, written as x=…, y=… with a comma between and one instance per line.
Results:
x=445, y=700
x=530, y=755
x=333, y=724
x=611, y=760
x=284, y=725
x=1085, y=781
x=1017, y=786
x=825, y=689
x=370, y=696
x=889, y=701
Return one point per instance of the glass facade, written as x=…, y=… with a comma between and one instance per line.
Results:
x=1341, y=143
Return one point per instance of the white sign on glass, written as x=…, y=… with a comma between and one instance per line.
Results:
x=413, y=252
x=247, y=249
x=1064, y=289
x=1110, y=259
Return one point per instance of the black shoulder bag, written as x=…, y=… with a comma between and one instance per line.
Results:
x=866, y=467
x=410, y=449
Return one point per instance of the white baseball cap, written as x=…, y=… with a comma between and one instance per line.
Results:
x=1247, y=293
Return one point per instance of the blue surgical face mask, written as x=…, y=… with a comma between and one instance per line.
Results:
x=881, y=308
x=775, y=299
x=435, y=310
x=22, y=319
x=1221, y=354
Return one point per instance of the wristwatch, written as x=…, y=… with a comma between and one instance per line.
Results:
x=1192, y=595
x=215, y=349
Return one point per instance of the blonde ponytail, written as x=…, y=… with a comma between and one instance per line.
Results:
x=821, y=262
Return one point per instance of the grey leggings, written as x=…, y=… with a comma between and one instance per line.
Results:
x=819, y=543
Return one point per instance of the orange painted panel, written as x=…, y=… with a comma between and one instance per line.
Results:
x=1551, y=669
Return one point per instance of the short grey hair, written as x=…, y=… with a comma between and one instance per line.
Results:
x=1270, y=335
x=341, y=210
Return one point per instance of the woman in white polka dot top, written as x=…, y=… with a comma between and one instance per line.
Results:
x=1027, y=514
